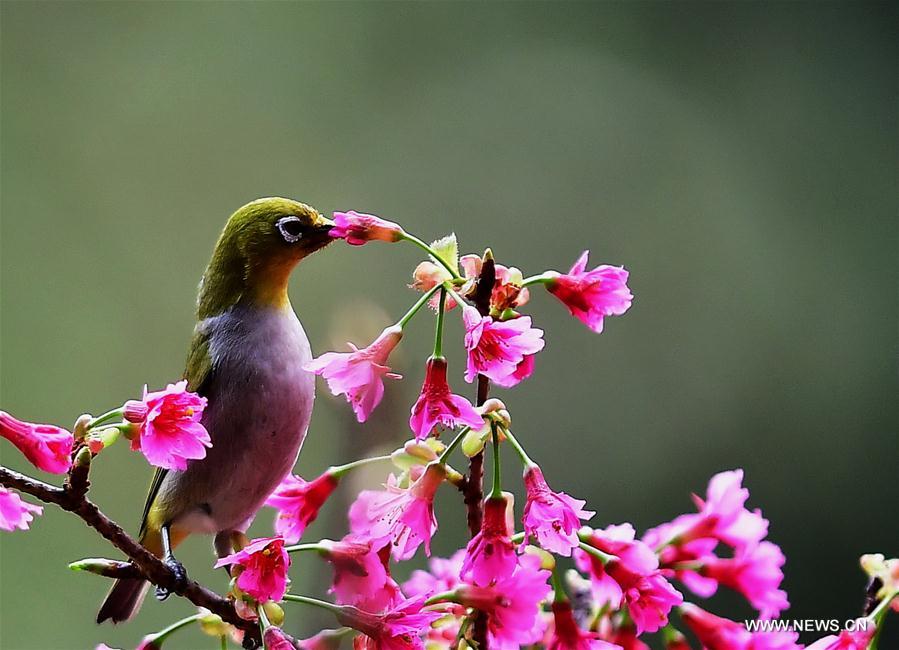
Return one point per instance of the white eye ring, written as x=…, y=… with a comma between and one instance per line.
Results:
x=284, y=227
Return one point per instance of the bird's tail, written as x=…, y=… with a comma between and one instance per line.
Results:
x=123, y=600
x=127, y=594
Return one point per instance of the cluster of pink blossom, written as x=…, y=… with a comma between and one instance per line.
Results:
x=506, y=588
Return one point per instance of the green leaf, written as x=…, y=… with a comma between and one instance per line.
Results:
x=447, y=248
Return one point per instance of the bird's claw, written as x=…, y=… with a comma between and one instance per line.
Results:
x=180, y=577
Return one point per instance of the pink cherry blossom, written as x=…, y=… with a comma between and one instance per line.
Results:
x=15, y=513
x=552, y=517
x=590, y=296
x=566, y=635
x=716, y=633
x=722, y=516
x=265, y=563
x=358, y=228
x=359, y=374
x=630, y=577
x=856, y=639
x=756, y=573
x=649, y=598
x=47, y=447
x=399, y=628
x=169, y=431
x=298, y=503
x=402, y=516
x=361, y=577
x=436, y=405
x=512, y=605
x=274, y=638
x=490, y=554
x=496, y=349
x=442, y=575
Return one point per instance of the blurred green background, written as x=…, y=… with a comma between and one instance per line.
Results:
x=739, y=159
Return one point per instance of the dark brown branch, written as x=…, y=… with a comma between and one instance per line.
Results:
x=474, y=485
x=72, y=498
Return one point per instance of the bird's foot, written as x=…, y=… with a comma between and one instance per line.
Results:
x=180, y=577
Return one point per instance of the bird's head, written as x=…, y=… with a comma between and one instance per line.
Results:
x=260, y=245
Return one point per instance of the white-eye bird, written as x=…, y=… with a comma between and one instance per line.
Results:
x=246, y=358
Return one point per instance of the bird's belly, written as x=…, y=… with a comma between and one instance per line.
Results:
x=260, y=403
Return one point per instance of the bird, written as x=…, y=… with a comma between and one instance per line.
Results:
x=246, y=358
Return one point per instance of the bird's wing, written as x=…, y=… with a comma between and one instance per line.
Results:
x=198, y=373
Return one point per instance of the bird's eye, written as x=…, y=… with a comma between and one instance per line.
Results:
x=291, y=229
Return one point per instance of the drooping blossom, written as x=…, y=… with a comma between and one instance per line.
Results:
x=264, y=573
x=500, y=350
x=274, y=638
x=490, y=555
x=298, y=503
x=716, y=633
x=168, y=428
x=402, y=516
x=151, y=642
x=512, y=604
x=437, y=406
x=754, y=572
x=590, y=296
x=856, y=639
x=722, y=516
x=442, y=575
x=361, y=577
x=359, y=374
x=15, y=513
x=399, y=628
x=565, y=634
x=552, y=517
x=628, y=575
x=358, y=228
x=47, y=447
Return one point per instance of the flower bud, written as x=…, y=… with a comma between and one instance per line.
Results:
x=273, y=612
x=547, y=559
x=135, y=411
x=212, y=624
x=80, y=428
x=474, y=441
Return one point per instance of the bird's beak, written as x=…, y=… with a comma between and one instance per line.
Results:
x=324, y=225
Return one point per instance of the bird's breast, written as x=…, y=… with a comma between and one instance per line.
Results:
x=259, y=407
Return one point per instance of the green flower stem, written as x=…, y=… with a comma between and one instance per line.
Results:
x=452, y=446
x=559, y=595
x=224, y=642
x=445, y=597
x=296, y=548
x=595, y=552
x=459, y=299
x=414, y=309
x=497, y=491
x=264, y=623
x=315, y=602
x=109, y=416
x=438, y=336
x=339, y=470
x=881, y=608
x=543, y=278
x=517, y=538
x=430, y=251
x=174, y=627
x=525, y=459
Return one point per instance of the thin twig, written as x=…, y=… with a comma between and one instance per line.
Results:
x=72, y=498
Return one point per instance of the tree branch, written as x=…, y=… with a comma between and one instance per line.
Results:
x=473, y=490
x=72, y=497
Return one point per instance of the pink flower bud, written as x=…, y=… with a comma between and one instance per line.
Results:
x=47, y=447
x=358, y=228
